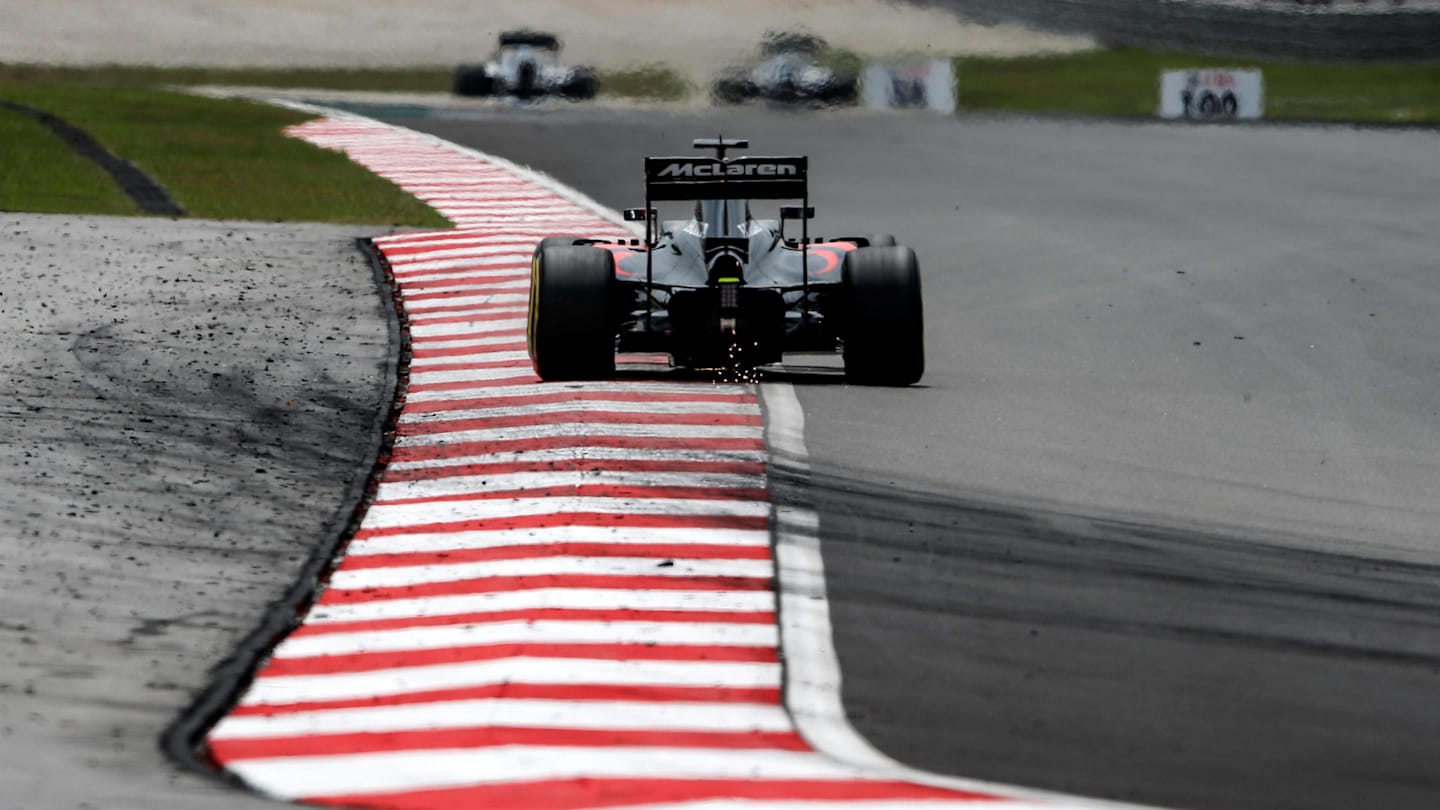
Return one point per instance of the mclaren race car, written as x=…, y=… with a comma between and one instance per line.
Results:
x=526, y=66
x=723, y=290
x=792, y=69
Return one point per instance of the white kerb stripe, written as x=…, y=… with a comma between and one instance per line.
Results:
x=291, y=689
x=487, y=356
x=521, y=713
x=480, y=343
x=418, y=514
x=401, y=576
x=581, y=429
x=466, y=314
x=506, y=283
x=587, y=406
x=405, y=269
x=297, y=777
x=443, y=486
x=554, y=535
x=463, y=205
x=467, y=328
x=583, y=453
x=467, y=253
x=605, y=387
x=550, y=598
x=465, y=375
x=495, y=299
x=477, y=275
x=544, y=631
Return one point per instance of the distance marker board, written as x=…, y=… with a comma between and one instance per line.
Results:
x=1212, y=95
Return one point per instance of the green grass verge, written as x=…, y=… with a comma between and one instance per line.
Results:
x=651, y=82
x=222, y=159
x=1125, y=83
x=229, y=159
x=397, y=79
x=42, y=174
x=645, y=83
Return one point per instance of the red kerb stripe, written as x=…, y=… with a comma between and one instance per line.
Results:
x=517, y=313
x=574, y=794
x=581, y=395
x=561, y=417
x=578, y=465
x=538, y=614
x=576, y=519
x=445, y=450
x=487, y=736
x=420, y=353
x=495, y=287
x=766, y=696
x=459, y=587
x=460, y=385
x=493, y=305
x=592, y=491
x=470, y=365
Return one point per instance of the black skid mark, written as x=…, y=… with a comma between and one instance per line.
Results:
x=149, y=196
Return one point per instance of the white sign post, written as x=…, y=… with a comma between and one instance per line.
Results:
x=1212, y=95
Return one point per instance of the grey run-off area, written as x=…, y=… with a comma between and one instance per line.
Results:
x=186, y=406
x=1160, y=522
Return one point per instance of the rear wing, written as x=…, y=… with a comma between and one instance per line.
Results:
x=708, y=178
x=720, y=178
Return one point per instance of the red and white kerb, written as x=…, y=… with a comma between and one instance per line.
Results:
x=563, y=595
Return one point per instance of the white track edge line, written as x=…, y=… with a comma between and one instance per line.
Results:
x=812, y=668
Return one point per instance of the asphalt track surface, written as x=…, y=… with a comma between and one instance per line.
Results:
x=1159, y=524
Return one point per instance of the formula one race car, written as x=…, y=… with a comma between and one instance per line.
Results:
x=526, y=66
x=723, y=290
x=791, y=69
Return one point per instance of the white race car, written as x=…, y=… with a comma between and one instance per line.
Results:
x=526, y=66
x=791, y=69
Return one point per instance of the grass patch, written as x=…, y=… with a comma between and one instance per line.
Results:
x=392, y=79
x=646, y=83
x=40, y=173
x=225, y=159
x=650, y=82
x=1124, y=83
x=843, y=61
x=229, y=159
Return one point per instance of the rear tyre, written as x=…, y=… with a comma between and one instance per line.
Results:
x=553, y=241
x=842, y=90
x=527, y=80
x=728, y=90
x=880, y=239
x=883, y=324
x=472, y=80
x=570, y=332
x=582, y=85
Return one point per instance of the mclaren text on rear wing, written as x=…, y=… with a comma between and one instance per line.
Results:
x=707, y=178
